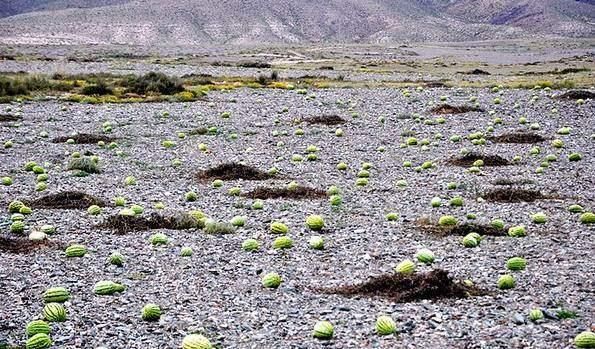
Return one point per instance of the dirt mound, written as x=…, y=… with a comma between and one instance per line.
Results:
x=577, y=94
x=84, y=138
x=477, y=72
x=514, y=195
x=325, y=120
x=425, y=225
x=435, y=284
x=509, y=181
x=124, y=224
x=66, y=200
x=9, y=117
x=298, y=193
x=233, y=171
x=20, y=245
x=518, y=137
x=453, y=109
x=488, y=160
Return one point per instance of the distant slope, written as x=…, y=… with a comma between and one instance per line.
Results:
x=192, y=22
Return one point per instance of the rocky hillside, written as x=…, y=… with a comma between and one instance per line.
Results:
x=189, y=22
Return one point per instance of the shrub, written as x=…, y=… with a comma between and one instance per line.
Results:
x=98, y=89
x=153, y=83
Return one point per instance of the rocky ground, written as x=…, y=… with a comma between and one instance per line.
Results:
x=218, y=292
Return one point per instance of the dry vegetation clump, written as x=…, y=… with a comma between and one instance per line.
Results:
x=454, y=109
x=577, y=94
x=21, y=245
x=330, y=120
x=233, y=171
x=299, y=193
x=66, y=200
x=488, y=160
x=514, y=195
x=461, y=229
x=518, y=137
x=122, y=224
x=9, y=117
x=84, y=138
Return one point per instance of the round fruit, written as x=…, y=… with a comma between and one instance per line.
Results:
x=425, y=256
x=392, y=216
x=119, y=201
x=238, y=221
x=151, y=312
x=186, y=251
x=436, y=202
x=39, y=341
x=48, y=229
x=56, y=295
x=575, y=157
x=104, y=288
x=278, y=228
x=575, y=208
x=406, y=267
x=336, y=200
x=497, y=224
x=158, y=239
x=283, y=242
x=447, y=221
x=518, y=231
x=54, y=312
x=271, y=280
x=585, y=340
x=315, y=222
x=94, y=210
x=217, y=183
x=385, y=325
x=196, y=341
x=506, y=282
x=75, y=250
x=316, y=242
x=539, y=218
x=116, y=258
x=516, y=263
x=323, y=330
x=470, y=241
x=37, y=326
x=250, y=245
x=535, y=314
x=191, y=196
x=587, y=218
x=15, y=206
x=17, y=227
x=137, y=209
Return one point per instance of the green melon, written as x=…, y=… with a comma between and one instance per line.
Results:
x=158, y=239
x=575, y=208
x=37, y=326
x=39, y=341
x=279, y=228
x=316, y=242
x=539, y=218
x=336, y=200
x=517, y=231
x=250, y=245
x=315, y=222
x=283, y=242
x=94, y=210
x=106, y=287
x=54, y=312
x=48, y=229
x=238, y=221
x=196, y=341
x=535, y=314
x=323, y=330
x=271, y=280
x=17, y=227
x=25, y=210
x=56, y=295
x=587, y=218
x=406, y=267
x=506, y=282
x=151, y=312
x=575, y=157
x=137, y=209
x=385, y=325
x=392, y=216
x=116, y=258
x=497, y=224
x=470, y=241
x=585, y=340
x=425, y=256
x=75, y=251
x=15, y=206
x=447, y=221
x=186, y=251
x=361, y=182
x=17, y=217
x=516, y=263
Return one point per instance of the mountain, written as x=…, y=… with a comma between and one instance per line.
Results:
x=216, y=22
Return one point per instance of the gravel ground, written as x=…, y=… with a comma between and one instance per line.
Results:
x=218, y=290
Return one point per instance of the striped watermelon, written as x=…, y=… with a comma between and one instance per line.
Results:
x=283, y=242
x=406, y=267
x=56, y=295
x=516, y=263
x=37, y=326
x=279, y=228
x=585, y=340
x=323, y=330
x=151, y=312
x=385, y=325
x=103, y=288
x=196, y=341
x=39, y=341
x=76, y=251
x=54, y=312
x=17, y=227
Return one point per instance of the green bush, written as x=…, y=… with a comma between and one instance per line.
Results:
x=153, y=83
x=98, y=89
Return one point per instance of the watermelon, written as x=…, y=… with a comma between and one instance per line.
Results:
x=137, y=209
x=470, y=241
x=283, y=242
x=406, y=267
x=238, y=221
x=587, y=218
x=54, y=312
x=17, y=217
x=585, y=340
x=385, y=325
x=447, y=221
x=575, y=208
x=119, y=201
x=186, y=251
x=506, y=282
x=497, y=224
x=518, y=231
x=104, y=288
x=392, y=216
x=17, y=227
x=151, y=312
x=196, y=341
x=316, y=242
x=436, y=202
x=94, y=210
x=361, y=182
x=48, y=229
x=323, y=330
x=271, y=280
x=279, y=228
x=335, y=200
x=158, y=239
x=539, y=218
x=516, y=263
x=39, y=341
x=75, y=250
x=56, y=295
x=535, y=314
x=25, y=210
x=425, y=256
x=250, y=245
x=37, y=326
x=116, y=258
